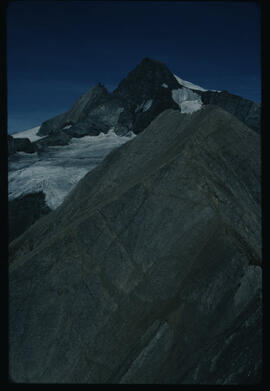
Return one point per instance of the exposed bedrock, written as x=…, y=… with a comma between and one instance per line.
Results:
x=24, y=211
x=150, y=270
x=244, y=109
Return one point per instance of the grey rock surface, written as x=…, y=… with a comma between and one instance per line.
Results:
x=90, y=100
x=247, y=111
x=150, y=270
x=100, y=119
x=24, y=211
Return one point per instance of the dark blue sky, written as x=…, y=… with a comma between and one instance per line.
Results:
x=57, y=50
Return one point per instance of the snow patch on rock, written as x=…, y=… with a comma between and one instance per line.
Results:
x=188, y=84
x=187, y=100
x=31, y=134
x=190, y=106
x=147, y=105
x=144, y=106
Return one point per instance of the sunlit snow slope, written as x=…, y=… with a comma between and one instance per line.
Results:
x=30, y=133
x=188, y=84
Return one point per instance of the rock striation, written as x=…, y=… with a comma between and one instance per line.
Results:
x=150, y=270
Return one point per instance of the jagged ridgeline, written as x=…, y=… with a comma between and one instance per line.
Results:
x=140, y=97
x=149, y=270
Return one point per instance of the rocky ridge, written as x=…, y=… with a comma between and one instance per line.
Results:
x=150, y=270
x=147, y=90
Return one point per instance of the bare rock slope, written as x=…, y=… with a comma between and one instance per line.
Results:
x=150, y=270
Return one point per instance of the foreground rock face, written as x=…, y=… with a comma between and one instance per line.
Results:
x=149, y=272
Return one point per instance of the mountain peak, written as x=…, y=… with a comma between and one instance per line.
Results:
x=148, y=60
x=146, y=80
x=149, y=63
x=100, y=86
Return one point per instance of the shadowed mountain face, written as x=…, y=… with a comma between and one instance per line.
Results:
x=150, y=270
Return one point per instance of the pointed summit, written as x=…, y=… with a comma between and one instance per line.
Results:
x=147, y=61
x=145, y=81
x=88, y=101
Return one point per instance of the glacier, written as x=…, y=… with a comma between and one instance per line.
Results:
x=58, y=170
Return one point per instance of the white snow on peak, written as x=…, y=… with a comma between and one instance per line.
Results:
x=30, y=133
x=60, y=168
x=164, y=85
x=188, y=84
x=67, y=126
x=182, y=94
x=187, y=100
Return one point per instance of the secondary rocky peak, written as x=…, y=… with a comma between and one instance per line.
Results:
x=100, y=87
x=88, y=101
